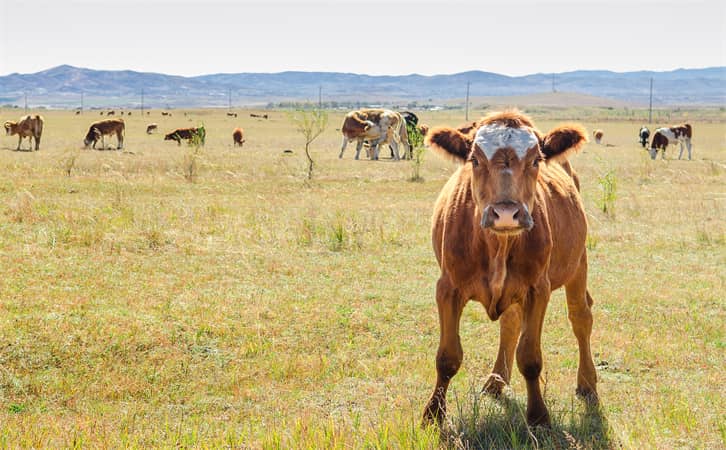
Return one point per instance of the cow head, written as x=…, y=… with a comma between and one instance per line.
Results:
x=171, y=136
x=9, y=127
x=93, y=135
x=504, y=153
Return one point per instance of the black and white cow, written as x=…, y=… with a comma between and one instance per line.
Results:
x=644, y=134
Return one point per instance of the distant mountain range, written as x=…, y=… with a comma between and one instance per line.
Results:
x=63, y=86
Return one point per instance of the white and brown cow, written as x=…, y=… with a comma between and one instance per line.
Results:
x=98, y=130
x=28, y=126
x=643, y=136
x=598, y=134
x=376, y=126
x=670, y=135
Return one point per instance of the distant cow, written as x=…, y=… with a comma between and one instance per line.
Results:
x=78, y=112
x=101, y=113
x=664, y=136
x=423, y=129
x=27, y=126
x=183, y=133
x=643, y=135
x=508, y=228
x=259, y=116
x=98, y=130
x=598, y=134
x=150, y=128
x=128, y=113
x=121, y=113
x=376, y=126
x=164, y=113
x=231, y=114
x=238, y=137
x=111, y=113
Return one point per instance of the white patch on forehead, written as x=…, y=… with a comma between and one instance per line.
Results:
x=493, y=136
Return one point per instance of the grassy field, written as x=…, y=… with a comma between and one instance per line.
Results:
x=249, y=309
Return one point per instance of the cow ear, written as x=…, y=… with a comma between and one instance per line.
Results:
x=563, y=141
x=449, y=143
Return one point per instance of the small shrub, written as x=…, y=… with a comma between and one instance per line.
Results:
x=415, y=138
x=68, y=161
x=608, y=192
x=193, y=156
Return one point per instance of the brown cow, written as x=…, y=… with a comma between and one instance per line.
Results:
x=667, y=135
x=98, y=130
x=508, y=228
x=111, y=113
x=423, y=129
x=238, y=136
x=27, y=126
x=150, y=128
x=598, y=134
x=182, y=133
x=231, y=114
x=164, y=113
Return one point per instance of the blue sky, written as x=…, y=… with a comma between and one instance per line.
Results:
x=363, y=36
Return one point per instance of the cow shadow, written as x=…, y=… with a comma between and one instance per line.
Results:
x=481, y=422
x=22, y=150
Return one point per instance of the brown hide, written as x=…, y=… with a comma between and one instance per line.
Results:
x=238, y=137
x=181, y=133
x=98, y=130
x=511, y=273
x=30, y=126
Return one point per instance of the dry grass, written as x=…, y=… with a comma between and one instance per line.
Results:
x=248, y=310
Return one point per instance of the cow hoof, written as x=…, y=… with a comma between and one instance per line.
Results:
x=587, y=394
x=494, y=385
x=433, y=414
x=538, y=419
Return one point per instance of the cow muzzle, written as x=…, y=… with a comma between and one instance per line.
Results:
x=507, y=218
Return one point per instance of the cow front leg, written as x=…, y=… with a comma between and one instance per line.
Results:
x=688, y=145
x=20, y=139
x=510, y=325
x=680, y=153
x=342, y=147
x=358, y=147
x=529, y=351
x=579, y=311
x=450, y=354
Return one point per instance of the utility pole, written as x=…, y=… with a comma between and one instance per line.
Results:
x=650, y=107
x=142, y=102
x=467, y=101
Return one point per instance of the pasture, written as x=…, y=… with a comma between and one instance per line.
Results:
x=251, y=309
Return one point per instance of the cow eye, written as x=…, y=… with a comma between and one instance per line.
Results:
x=535, y=163
x=474, y=162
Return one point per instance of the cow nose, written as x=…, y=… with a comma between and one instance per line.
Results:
x=505, y=216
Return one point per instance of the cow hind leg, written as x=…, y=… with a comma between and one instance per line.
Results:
x=37, y=142
x=510, y=323
x=680, y=154
x=579, y=311
x=358, y=146
x=450, y=354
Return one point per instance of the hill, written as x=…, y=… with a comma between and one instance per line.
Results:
x=62, y=86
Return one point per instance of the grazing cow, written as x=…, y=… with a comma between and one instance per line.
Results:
x=101, y=113
x=508, y=228
x=423, y=129
x=164, y=113
x=598, y=134
x=183, y=133
x=98, y=130
x=643, y=135
x=231, y=114
x=238, y=137
x=128, y=113
x=111, y=113
x=27, y=126
x=150, y=128
x=670, y=135
x=121, y=113
x=78, y=112
x=259, y=116
x=377, y=126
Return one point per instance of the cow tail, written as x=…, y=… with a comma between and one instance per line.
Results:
x=39, y=121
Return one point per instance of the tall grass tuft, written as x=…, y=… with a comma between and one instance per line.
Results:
x=193, y=156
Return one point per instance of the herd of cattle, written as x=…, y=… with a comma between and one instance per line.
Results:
x=369, y=128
